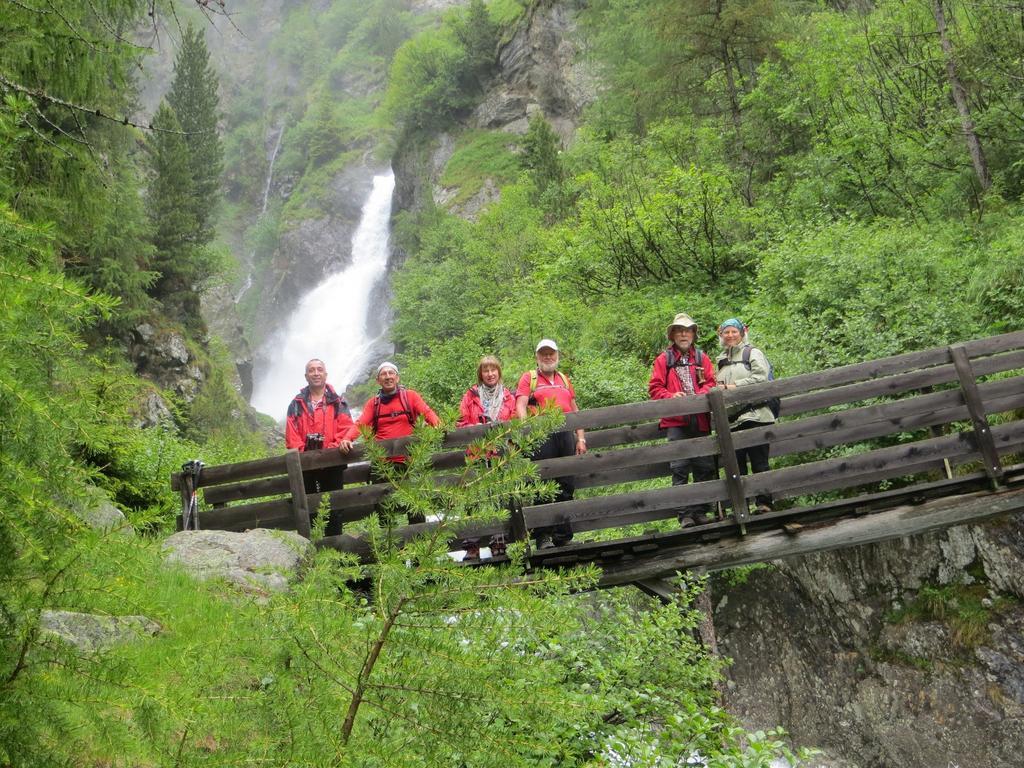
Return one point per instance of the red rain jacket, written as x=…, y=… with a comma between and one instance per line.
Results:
x=331, y=418
x=471, y=410
x=664, y=383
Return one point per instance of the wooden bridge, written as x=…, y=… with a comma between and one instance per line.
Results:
x=950, y=418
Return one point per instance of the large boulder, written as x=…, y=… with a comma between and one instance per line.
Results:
x=259, y=561
x=94, y=632
x=98, y=512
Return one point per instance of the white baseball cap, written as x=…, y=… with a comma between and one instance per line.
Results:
x=387, y=364
x=546, y=343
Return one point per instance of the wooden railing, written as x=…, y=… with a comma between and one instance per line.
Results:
x=916, y=396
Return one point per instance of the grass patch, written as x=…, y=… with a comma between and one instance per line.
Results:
x=481, y=155
x=504, y=12
x=965, y=609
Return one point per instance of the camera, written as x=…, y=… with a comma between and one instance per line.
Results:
x=314, y=441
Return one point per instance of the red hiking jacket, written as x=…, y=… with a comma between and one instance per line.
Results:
x=664, y=383
x=394, y=418
x=471, y=410
x=331, y=418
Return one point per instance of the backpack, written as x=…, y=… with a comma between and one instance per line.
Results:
x=773, y=403
x=533, y=384
x=406, y=410
x=674, y=360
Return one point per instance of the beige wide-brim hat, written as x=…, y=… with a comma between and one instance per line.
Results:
x=682, y=320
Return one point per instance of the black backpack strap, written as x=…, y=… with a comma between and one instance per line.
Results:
x=376, y=412
x=404, y=400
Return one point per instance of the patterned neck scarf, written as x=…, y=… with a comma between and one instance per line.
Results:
x=491, y=399
x=686, y=360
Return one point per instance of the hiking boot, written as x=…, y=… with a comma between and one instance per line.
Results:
x=545, y=541
x=686, y=521
x=497, y=545
x=762, y=509
x=472, y=548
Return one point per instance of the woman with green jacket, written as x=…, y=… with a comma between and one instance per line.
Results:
x=739, y=365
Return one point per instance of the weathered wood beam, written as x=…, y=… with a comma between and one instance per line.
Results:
x=764, y=546
x=982, y=429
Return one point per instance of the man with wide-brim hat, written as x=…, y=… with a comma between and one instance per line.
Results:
x=683, y=370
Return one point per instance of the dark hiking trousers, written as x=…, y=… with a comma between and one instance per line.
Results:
x=757, y=455
x=322, y=481
x=557, y=445
x=702, y=468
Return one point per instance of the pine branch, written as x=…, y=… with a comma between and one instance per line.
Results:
x=367, y=670
x=35, y=93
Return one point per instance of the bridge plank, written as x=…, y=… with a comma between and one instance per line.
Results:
x=764, y=546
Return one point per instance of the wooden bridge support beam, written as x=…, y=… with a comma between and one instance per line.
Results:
x=982, y=429
x=733, y=479
x=297, y=486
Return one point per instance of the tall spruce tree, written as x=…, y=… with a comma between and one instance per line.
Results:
x=171, y=207
x=193, y=97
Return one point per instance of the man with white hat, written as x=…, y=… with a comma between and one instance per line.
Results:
x=683, y=370
x=392, y=412
x=537, y=388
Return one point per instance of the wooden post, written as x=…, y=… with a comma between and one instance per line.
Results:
x=186, y=505
x=939, y=431
x=298, y=488
x=733, y=479
x=982, y=430
x=518, y=520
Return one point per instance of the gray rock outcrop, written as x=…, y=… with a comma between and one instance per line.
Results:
x=259, y=561
x=540, y=70
x=162, y=356
x=825, y=646
x=98, y=512
x=94, y=632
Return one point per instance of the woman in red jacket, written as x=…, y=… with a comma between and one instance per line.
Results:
x=489, y=400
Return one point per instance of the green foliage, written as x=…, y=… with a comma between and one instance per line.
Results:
x=427, y=83
x=193, y=98
x=856, y=291
x=479, y=156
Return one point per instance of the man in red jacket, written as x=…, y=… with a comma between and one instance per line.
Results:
x=391, y=413
x=683, y=370
x=317, y=418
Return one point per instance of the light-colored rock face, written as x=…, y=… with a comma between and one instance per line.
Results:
x=540, y=69
x=819, y=648
x=259, y=561
x=92, y=632
x=162, y=356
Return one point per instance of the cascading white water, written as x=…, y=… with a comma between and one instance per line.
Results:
x=331, y=321
x=263, y=208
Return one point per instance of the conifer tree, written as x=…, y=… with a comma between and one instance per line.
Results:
x=172, y=214
x=193, y=97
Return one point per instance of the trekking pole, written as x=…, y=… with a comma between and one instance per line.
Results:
x=191, y=470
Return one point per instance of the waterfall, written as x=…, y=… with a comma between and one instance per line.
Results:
x=331, y=321
x=270, y=169
x=263, y=208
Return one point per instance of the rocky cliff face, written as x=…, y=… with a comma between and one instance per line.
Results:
x=540, y=70
x=907, y=653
